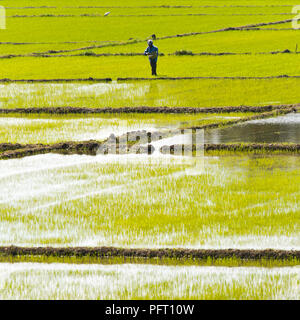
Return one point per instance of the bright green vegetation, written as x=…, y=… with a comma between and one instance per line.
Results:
x=226, y=262
x=41, y=29
x=64, y=281
x=234, y=202
x=206, y=66
x=127, y=24
x=52, y=129
x=99, y=11
x=226, y=200
x=255, y=41
x=183, y=93
x=232, y=42
x=137, y=3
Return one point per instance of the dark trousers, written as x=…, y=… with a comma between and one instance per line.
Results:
x=153, y=64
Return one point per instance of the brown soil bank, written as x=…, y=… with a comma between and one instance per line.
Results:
x=145, y=109
x=150, y=253
x=87, y=54
x=12, y=151
x=190, y=53
x=242, y=147
x=134, y=54
x=54, y=80
x=15, y=146
x=92, y=147
x=213, y=78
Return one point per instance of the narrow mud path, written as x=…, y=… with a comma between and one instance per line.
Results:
x=6, y=80
x=91, y=79
x=146, y=110
x=150, y=253
x=284, y=76
x=98, y=15
x=136, y=54
x=92, y=147
x=236, y=147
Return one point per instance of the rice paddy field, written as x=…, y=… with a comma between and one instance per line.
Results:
x=77, y=222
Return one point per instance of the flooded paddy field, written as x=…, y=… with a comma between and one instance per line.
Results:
x=282, y=129
x=165, y=93
x=233, y=202
x=77, y=222
x=31, y=129
x=67, y=281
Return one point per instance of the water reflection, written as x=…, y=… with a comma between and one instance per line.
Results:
x=275, y=130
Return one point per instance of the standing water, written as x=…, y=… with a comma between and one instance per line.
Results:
x=273, y=130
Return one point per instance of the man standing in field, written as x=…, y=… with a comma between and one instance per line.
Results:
x=152, y=53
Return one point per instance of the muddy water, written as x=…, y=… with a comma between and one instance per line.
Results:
x=274, y=130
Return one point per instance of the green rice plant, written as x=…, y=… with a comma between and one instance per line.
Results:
x=122, y=66
x=136, y=3
x=184, y=93
x=234, y=202
x=118, y=28
x=158, y=9
x=48, y=129
x=65, y=281
x=251, y=42
x=225, y=262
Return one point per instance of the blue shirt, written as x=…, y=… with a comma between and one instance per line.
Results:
x=152, y=49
